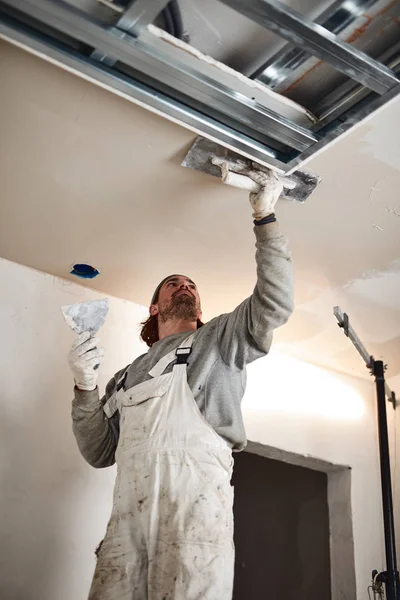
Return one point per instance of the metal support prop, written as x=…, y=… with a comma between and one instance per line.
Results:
x=317, y=40
x=391, y=576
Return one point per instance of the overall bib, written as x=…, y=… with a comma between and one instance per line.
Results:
x=170, y=535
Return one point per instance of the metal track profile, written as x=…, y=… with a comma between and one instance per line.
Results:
x=171, y=78
x=139, y=14
x=335, y=19
x=320, y=42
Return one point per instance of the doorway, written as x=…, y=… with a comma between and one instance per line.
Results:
x=281, y=530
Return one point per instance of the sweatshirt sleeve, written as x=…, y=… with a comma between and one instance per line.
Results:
x=96, y=435
x=246, y=333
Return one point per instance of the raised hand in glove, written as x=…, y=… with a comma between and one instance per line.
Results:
x=84, y=360
x=271, y=187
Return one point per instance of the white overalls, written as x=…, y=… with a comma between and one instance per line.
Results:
x=170, y=535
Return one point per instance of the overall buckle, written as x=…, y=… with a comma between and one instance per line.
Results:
x=182, y=355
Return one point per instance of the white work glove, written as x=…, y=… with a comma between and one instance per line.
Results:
x=263, y=202
x=84, y=359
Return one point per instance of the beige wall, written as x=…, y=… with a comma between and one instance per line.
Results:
x=55, y=507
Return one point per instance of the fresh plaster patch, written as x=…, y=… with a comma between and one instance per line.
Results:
x=372, y=303
x=392, y=210
x=381, y=288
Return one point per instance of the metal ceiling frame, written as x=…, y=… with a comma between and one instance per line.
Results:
x=318, y=41
x=131, y=60
x=335, y=19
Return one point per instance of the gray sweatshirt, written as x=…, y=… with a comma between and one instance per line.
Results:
x=216, y=371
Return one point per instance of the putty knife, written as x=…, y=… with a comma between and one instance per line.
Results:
x=86, y=316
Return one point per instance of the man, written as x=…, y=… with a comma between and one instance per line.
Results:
x=170, y=421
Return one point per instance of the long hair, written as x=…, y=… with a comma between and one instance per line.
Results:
x=149, y=331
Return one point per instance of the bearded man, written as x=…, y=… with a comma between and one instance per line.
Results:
x=170, y=421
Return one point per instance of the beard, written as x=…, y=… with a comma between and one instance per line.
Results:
x=180, y=307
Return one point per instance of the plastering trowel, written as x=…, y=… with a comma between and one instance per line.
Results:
x=86, y=316
x=211, y=158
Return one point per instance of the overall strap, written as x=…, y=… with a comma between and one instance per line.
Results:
x=183, y=350
x=111, y=406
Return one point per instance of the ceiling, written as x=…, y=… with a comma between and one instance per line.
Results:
x=85, y=176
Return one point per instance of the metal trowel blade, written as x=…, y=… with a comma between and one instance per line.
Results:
x=203, y=151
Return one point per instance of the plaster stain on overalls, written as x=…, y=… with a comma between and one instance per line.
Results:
x=170, y=535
